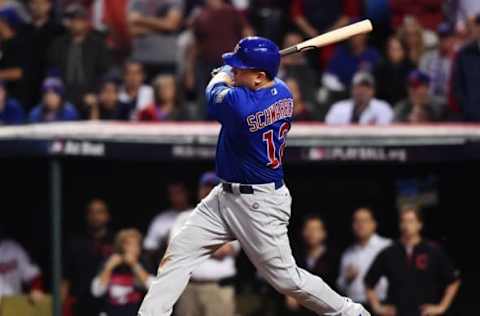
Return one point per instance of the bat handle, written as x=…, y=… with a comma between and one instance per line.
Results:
x=289, y=51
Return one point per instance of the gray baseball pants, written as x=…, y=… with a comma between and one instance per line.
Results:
x=259, y=222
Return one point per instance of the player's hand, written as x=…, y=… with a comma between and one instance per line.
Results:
x=225, y=68
x=432, y=310
x=292, y=303
x=352, y=273
x=386, y=310
x=113, y=261
x=226, y=250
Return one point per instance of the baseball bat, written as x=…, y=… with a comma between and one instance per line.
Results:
x=331, y=37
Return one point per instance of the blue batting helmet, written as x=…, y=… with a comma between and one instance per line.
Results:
x=255, y=53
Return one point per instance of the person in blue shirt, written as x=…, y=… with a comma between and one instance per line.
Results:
x=347, y=60
x=53, y=107
x=252, y=204
x=11, y=112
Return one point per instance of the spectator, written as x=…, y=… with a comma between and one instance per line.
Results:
x=315, y=17
x=347, y=60
x=154, y=25
x=413, y=37
x=437, y=64
x=357, y=259
x=461, y=13
x=158, y=231
x=105, y=105
x=378, y=11
x=41, y=32
x=391, y=74
x=315, y=256
x=81, y=56
x=466, y=76
x=17, y=270
x=123, y=279
x=296, y=66
x=133, y=91
x=302, y=109
x=420, y=105
x=84, y=255
x=211, y=41
x=11, y=112
x=13, y=51
x=421, y=278
x=53, y=107
x=363, y=108
x=269, y=18
x=17, y=8
x=312, y=17
x=211, y=289
x=428, y=12
x=110, y=16
x=167, y=106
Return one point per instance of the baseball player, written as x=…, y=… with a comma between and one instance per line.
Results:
x=252, y=204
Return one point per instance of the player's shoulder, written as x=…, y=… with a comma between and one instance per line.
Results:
x=223, y=93
x=282, y=87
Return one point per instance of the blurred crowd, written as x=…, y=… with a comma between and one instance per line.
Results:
x=107, y=272
x=150, y=60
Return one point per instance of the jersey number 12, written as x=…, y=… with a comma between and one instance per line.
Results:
x=273, y=161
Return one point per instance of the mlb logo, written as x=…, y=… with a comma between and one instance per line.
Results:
x=274, y=91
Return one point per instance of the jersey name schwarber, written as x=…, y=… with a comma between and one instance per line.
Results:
x=255, y=124
x=278, y=111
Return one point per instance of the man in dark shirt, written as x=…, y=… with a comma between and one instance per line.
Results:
x=12, y=53
x=40, y=33
x=466, y=76
x=11, y=112
x=81, y=56
x=84, y=256
x=421, y=278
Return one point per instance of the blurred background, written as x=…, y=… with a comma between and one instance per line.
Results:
x=87, y=206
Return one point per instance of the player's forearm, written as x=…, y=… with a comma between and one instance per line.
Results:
x=449, y=295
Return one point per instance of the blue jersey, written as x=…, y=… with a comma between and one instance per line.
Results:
x=255, y=124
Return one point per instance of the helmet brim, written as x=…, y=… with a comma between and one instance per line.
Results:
x=232, y=60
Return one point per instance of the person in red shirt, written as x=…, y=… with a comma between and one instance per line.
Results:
x=216, y=28
x=123, y=280
x=166, y=106
x=428, y=12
